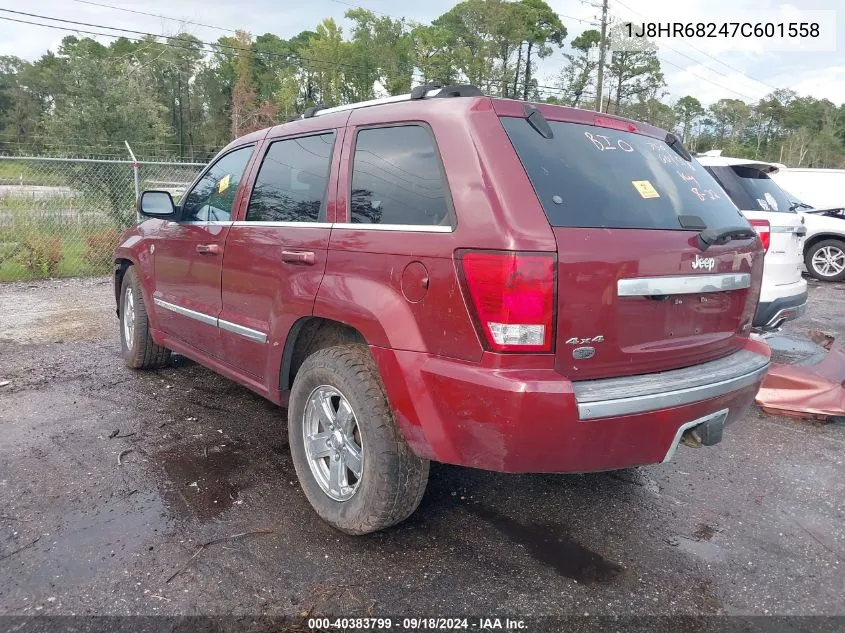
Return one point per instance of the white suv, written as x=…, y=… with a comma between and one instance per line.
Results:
x=824, y=216
x=782, y=230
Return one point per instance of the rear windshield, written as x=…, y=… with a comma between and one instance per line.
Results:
x=752, y=190
x=588, y=176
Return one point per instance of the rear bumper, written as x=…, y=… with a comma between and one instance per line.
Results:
x=772, y=314
x=534, y=420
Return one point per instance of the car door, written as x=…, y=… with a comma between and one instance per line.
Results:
x=276, y=253
x=760, y=198
x=188, y=254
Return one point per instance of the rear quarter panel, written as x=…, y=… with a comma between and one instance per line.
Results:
x=495, y=208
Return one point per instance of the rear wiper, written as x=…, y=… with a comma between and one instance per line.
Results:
x=720, y=236
x=815, y=211
x=798, y=205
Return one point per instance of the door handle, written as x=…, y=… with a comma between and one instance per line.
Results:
x=208, y=249
x=298, y=257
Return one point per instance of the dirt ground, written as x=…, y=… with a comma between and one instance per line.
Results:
x=110, y=478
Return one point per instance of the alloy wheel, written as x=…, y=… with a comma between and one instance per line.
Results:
x=129, y=318
x=333, y=444
x=828, y=261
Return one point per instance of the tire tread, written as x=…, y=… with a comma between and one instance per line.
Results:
x=398, y=491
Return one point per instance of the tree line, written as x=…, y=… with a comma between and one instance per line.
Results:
x=179, y=96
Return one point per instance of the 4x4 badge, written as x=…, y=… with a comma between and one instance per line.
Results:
x=584, y=341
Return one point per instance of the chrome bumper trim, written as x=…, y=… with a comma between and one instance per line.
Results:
x=689, y=425
x=626, y=395
x=779, y=318
x=682, y=285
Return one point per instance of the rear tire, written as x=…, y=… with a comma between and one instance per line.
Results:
x=137, y=347
x=338, y=399
x=825, y=260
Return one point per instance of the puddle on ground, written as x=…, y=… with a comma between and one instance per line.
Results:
x=204, y=479
x=550, y=544
x=794, y=350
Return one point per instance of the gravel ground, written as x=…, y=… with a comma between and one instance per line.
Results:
x=110, y=479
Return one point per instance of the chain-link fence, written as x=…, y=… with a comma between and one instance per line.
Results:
x=64, y=216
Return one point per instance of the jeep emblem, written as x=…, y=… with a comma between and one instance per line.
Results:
x=583, y=353
x=707, y=263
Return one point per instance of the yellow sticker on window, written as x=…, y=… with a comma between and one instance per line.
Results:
x=224, y=183
x=645, y=188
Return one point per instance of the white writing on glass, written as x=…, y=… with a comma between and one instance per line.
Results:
x=625, y=146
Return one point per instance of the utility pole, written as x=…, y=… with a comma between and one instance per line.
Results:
x=602, y=48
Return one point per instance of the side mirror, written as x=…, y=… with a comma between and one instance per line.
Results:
x=157, y=204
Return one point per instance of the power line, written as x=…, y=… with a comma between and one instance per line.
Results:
x=172, y=42
x=154, y=15
x=666, y=61
x=267, y=54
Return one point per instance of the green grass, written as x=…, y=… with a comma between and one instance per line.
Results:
x=72, y=264
x=40, y=172
x=74, y=247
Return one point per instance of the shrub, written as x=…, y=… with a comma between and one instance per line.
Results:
x=99, y=249
x=41, y=254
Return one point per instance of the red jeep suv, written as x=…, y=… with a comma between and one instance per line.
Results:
x=448, y=276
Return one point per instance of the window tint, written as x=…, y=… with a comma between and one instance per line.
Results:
x=212, y=198
x=291, y=184
x=588, y=176
x=396, y=178
x=752, y=189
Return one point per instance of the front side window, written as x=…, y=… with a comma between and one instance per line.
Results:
x=212, y=197
x=397, y=178
x=291, y=183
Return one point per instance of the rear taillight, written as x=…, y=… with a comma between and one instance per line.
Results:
x=513, y=296
x=764, y=230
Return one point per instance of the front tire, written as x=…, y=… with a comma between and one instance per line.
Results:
x=825, y=260
x=352, y=463
x=137, y=347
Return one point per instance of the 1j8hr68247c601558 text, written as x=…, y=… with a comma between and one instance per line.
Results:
x=724, y=29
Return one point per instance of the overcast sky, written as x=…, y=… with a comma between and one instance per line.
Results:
x=709, y=69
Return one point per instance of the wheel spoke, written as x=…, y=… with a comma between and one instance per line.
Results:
x=321, y=407
x=337, y=473
x=318, y=447
x=327, y=413
x=352, y=455
x=345, y=419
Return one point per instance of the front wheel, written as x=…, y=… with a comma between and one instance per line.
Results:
x=137, y=347
x=825, y=260
x=352, y=463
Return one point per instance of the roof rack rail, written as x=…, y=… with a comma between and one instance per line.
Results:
x=426, y=91
x=312, y=111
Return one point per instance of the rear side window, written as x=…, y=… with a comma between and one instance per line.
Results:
x=397, y=178
x=752, y=189
x=588, y=176
x=291, y=183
